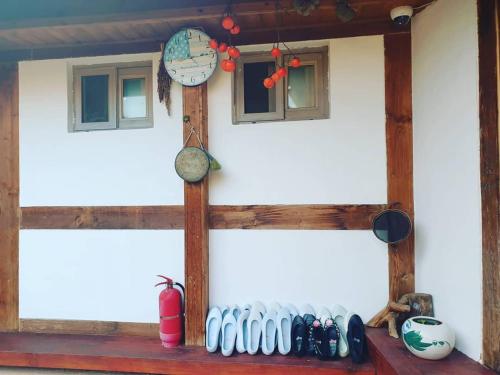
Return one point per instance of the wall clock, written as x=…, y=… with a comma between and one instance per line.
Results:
x=188, y=57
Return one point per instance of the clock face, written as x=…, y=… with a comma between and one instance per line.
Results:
x=188, y=57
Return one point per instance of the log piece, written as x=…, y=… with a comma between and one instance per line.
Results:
x=395, y=313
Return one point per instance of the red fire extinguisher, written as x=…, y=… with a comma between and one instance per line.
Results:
x=171, y=313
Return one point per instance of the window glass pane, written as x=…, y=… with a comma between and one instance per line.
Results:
x=95, y=99
x=257, y=98
x=134, y=98
x=301, y=87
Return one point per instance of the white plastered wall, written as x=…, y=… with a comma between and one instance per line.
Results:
x=108, y=275
x=333, y=161
x=446, y=166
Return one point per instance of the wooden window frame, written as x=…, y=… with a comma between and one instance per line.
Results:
x=317, y=57
x=79, y=73
x=135, y=72
x=117, y=73
x=239, y=115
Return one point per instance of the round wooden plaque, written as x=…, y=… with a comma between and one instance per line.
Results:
x=192, y=164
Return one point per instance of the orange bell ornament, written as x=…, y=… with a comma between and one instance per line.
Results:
x=268, y=83
x=276, y=52
x=227, y=22
x=235, y=30
x=282, y=72
x=222, y=47
x=213, y=44
x=228, y=65
x=295, y=62
x=233, y=52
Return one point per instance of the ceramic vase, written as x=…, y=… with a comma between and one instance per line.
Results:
x=428, y=337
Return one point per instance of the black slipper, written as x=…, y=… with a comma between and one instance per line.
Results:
x=299, y=336
x=356, y=338
x=332, y=335
x=318, y=333
x=309, y=321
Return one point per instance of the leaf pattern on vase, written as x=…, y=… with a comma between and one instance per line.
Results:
x=414, y=340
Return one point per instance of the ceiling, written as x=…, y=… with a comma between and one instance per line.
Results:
x=62, y=28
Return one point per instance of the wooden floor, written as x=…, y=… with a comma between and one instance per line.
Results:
x=145, y=355
x=391, y=357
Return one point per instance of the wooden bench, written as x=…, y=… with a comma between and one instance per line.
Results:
x=388, y=356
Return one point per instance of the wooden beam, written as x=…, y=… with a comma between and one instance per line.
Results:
x=294, y=216
x=9, y=197
x=399, y=139
x=190, y=11
x=88, y=327
x=247, y=37
x=297, y=33
x=195, y=104
x=490, y=187
x=125, y=217
x=81, y=50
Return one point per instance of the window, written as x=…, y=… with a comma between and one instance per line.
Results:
x=302, y=95
x=112, y=97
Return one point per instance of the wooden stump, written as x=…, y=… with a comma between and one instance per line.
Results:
x=395, y=313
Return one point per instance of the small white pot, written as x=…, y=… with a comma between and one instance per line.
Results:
x=428, y=337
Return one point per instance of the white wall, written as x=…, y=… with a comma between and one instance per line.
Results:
x=339, y=160
x=446, y=166
x=103, y=275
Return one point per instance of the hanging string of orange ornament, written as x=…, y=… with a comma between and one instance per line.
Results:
x=229, y=24
x=294, y=62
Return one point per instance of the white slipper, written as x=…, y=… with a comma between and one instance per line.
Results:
x=338, y=314
x=246, y=306
x=254, y=331
x=259, y=307
x=269, y=333
x=293, y=310
x=324, y=315
x=224, y=310
x=242, y=331
x=212, y=327
x=284, y=327
x=307, y=309
x=274, y=306
x=235, y=311
x=228, y=331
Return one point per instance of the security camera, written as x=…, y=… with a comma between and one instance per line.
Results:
x=402, y=15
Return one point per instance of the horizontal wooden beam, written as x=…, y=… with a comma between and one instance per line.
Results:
x=113, y=217
x=88, y=327
x=294, y=33
x=315, y=216
x=172, y=11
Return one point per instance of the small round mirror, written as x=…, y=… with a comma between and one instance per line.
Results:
x=392, y=226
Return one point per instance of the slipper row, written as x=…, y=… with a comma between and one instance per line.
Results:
x=326, y=335
x=249, y=329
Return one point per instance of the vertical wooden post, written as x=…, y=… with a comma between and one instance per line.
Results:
x=9, y=197
x=490, y=171
x=195, y=103
x=399, y=138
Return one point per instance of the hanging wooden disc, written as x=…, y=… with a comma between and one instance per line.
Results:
x=192, y=164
